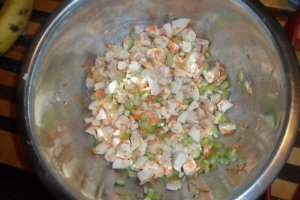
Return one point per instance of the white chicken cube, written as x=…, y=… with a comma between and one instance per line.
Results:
x=110, y=155
x=177, y=128
x=120, y=163
x=105, y=132
x=194, y=105
x=101, y=148
x=145, y=175
x=183, y=116
x=179, y=24
x=174, y=185
x=224, y=105
x=161, y=41
x=209, y=75
x=188, y=35
x=92, y=131
x=140, y=163
x=179, y=159
x=133, y=67
x=89, y=83
x=167, y=29
x=112, y=87
x=122, y=123
x=186, y=46
x=102, y=114
x=165, y=113
x=122, y=65
x=99, y=86
x=195, y=133
x=226, y=129
x=189, y=167
x=124, y=150
x=179, y=97
x=152, y=31
x=176, y=86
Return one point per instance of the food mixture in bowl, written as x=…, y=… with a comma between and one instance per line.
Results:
x=159, y=105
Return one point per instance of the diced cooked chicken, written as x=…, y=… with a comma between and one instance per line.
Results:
x=226, y=129
x=179, y=159
x=174, y=185
x=167, y=30
x=224, y=105
x=120, y=163
x=179, y=24
x=101, y=148
x=188, y=35
x=195, y=133
x=190, y=166
x=156, y=100
x=145, y=175
x=140, y=163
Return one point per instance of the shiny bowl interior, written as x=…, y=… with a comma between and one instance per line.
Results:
x=53, y=98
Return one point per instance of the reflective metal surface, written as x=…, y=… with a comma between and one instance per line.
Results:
x=53, y=100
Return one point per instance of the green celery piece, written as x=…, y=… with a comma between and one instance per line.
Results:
x=187, y=141
x=241, y=75
x=97, y=76
x=246, y=88
x=202, y=87
x=149, y=127
x=232, y=154
x=195, y=154
x=132, y=42
x=221, y=117
x=170, y=59
x=153, y=194
x=225, y=94
x=120, y=181
x=225, y=85
x=150, y=155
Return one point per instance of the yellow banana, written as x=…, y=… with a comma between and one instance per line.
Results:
x=14, y=16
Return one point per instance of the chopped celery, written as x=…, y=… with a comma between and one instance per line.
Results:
x=195, y=154
x=120, y=181
x=149, y=127
x=131, y=173
x=150, y=155
x=128, y=105
x=189, y=100
x=225, y=94
x=205, y=141
x=97, y=142
x=176, y=38
x=221, y=118
x=215, y=132
x=232, y=154
x=225, y=85
x=204, y=166
x=246, y=88
x=219, y=145
x=224, y=161
x=241, y=75
x=108, y=96
x=97, y=76
x=144, y=117
x=125, y=136
x=153, y=194
x=212, y=88
x=188, y=140
x=207, y=54
x=202, y=87
x=132, y=42
x=170, y=59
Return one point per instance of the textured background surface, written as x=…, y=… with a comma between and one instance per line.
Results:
x=17, y=181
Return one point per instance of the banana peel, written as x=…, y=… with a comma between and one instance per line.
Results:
x=14, y=17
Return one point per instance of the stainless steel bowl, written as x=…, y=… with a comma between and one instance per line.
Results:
x=52, y=100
